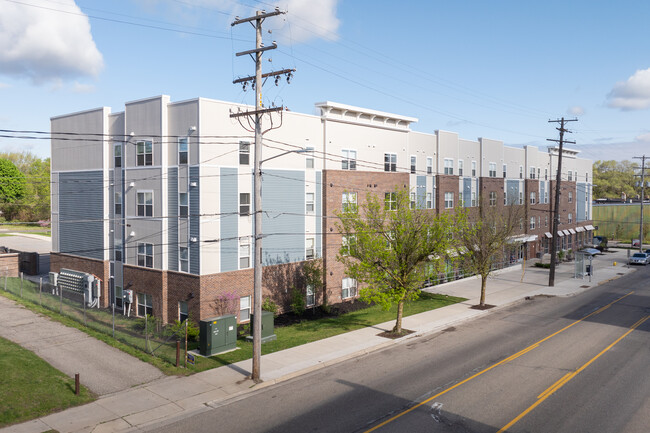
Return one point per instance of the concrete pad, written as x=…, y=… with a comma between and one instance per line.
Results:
x=35, y=426
x=127, y=403
x=199, y=400
x=153, y=414
x=112, y=426
x=77, y=418
x=178, y=388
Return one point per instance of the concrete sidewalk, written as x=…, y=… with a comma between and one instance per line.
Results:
x=171, y=398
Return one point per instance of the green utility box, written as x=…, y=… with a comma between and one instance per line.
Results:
x=268, y=330
x=217, y=335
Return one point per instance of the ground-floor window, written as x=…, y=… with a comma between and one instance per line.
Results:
x=145, y=304
x=182, y=311
x=310, y=298
x=244, y=308
x=118, y=296
x=348, y=288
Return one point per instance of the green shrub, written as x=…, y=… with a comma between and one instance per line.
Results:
x=269, y=305
x=177, y=329
x=297, y=302
x=543, y=265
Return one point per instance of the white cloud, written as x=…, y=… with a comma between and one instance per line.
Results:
x=644, y=138
x=576, y=111
x=43, y=44
x=82, y=88
x=633, y=94
x=309, y=19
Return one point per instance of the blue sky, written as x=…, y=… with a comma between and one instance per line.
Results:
x=497, y=69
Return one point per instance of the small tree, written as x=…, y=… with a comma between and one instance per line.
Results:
x=483, y=241
x=226, y=303
x=12, y=188
x=312, y=273
x=387, y=245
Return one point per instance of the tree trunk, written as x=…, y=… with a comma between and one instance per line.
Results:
x=483, y=284
x=398, y=323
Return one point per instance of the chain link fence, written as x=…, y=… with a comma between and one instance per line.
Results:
x=147, y=333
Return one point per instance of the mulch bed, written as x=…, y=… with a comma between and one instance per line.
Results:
x=393, y=335
x=316, y=313
x=482, y=307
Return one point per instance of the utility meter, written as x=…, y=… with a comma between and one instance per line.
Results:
x=128, y=296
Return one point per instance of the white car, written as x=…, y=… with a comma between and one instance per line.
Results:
x=638, y=259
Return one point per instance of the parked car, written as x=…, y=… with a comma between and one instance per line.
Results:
x=647, y=251
x=638, y=259
x=600, y=243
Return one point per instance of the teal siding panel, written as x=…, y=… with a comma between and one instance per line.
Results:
x=467, y=191
x=229, y=221
x=195, y=221
x=172, y=212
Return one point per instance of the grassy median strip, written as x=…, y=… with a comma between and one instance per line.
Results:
x=31, y=387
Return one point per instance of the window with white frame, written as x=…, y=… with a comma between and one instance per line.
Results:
x=309, y=157
x=349, y=159
x=473, y=168
x=570, y=175
x=586, y=177
x=570, y=196
x=493, y=198
x=461, y=202
x=244, y=253
x=348, y=288
x=348, y=242
x=310, y=298
x=505, y=170
x=145, y=254
x=144, y=152
x=244, y=203
x=533, y=197
x=244, y=308
x=390, y=162
x=473, y=199
x=182, y=150
x=545, y=220
x=546, y=197
x=390, y=201
x=183, y=205
x=429, y=165
x=349, y=202
x=145, y=304
x=569, y=218
x=538, y=172
x=448, y=166
x=532, y=172
x=460, y=167
x=521, y=197
x=244, y=153
x=532, y=223
x=429, y=200
x=521, y=223
x=183, y=313
x=119, y=297
x=492, y=169
x=118, y=203
x=183, y=259
x=521, y=172
x=145, y=203
x=117, y=154
x=309, y=249
x=449, y=200
x=505, y=198
x=413, y=164
x=413, y=200
x=309, y=202
x=546, y=174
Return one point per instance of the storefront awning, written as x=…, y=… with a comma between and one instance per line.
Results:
x=589, y=227
x=560, y=234
x=566, y=232
x=573, y=232
x=548, y=235
x=523, y=238
x=580, y=229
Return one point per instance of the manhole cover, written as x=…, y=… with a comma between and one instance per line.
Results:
x=584, y=287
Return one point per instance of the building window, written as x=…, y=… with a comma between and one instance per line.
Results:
x=461, y=202
x=429, y=165
x=182, y=150
x=449, y=200
x=569, y=218
x=309, y=202
x=348, y=242
x=570, y=196
x=118, y=203
x=145, y=304
x=546, y=174
x=119, y=294
x=349, y=202
x=244, y=153
x=349, y=161
x=545, y=220
x=570, y=175
x=117, y=153
x=390, y=162
x=492, y=169
x=183, y=206
x=244, y=308
x=546, y=197
x=538, y=172
x=413, y=202
x=533, y=197
x=521, y=197
x=244, y=203
x=505, y=198
x=505, y=169
x=429, y=200
x=145, y=255
x=532, y=223
x=118, y=248
x=413, y=164
x=473, y=168
x=244, y=254
x=309, y=159
x=521, y=172
x=144, y=152
x=473, y=198
x=532, y=172
x=586, y=177
x=493, y=198
x=521, y=223
x=310, y=298
x=390, y=201
x=309, y=249
x=448, y=166
x=183, y=314
x=183, y=259
x=145, y=204
x=348, y=288
x=460, y=167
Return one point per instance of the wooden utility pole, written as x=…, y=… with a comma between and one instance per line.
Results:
x=556, y=206
x=257, y=114
x=642, y=158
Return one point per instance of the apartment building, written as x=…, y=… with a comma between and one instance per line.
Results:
x=157, y=198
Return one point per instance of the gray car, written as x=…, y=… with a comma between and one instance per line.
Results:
x=638, y=259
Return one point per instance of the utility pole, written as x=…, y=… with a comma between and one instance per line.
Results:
x=556, y=207
x=256, y=55
x=642, y=158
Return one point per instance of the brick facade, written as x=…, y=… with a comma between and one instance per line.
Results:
x=10, y=265
x=98, y=268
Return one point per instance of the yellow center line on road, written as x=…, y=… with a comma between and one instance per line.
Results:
x=560, y=383
x=503, y=361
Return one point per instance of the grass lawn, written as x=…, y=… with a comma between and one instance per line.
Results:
x=31, y=387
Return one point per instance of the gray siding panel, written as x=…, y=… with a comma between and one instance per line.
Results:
x=581, y=193
x=283, y=221
x=319, y=214
x=513, y=191
x=172, y=213
x=467, y=191
x=81, y=213
x=421, y=192
x=229, y=221
x=195, y=222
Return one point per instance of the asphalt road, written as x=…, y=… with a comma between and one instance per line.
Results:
x=575, y=364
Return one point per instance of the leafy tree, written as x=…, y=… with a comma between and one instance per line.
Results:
x=482, y=242
x=35, y=204
x=312, y=273
x=613, y=178
x=387, y=245
x=12, y=186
